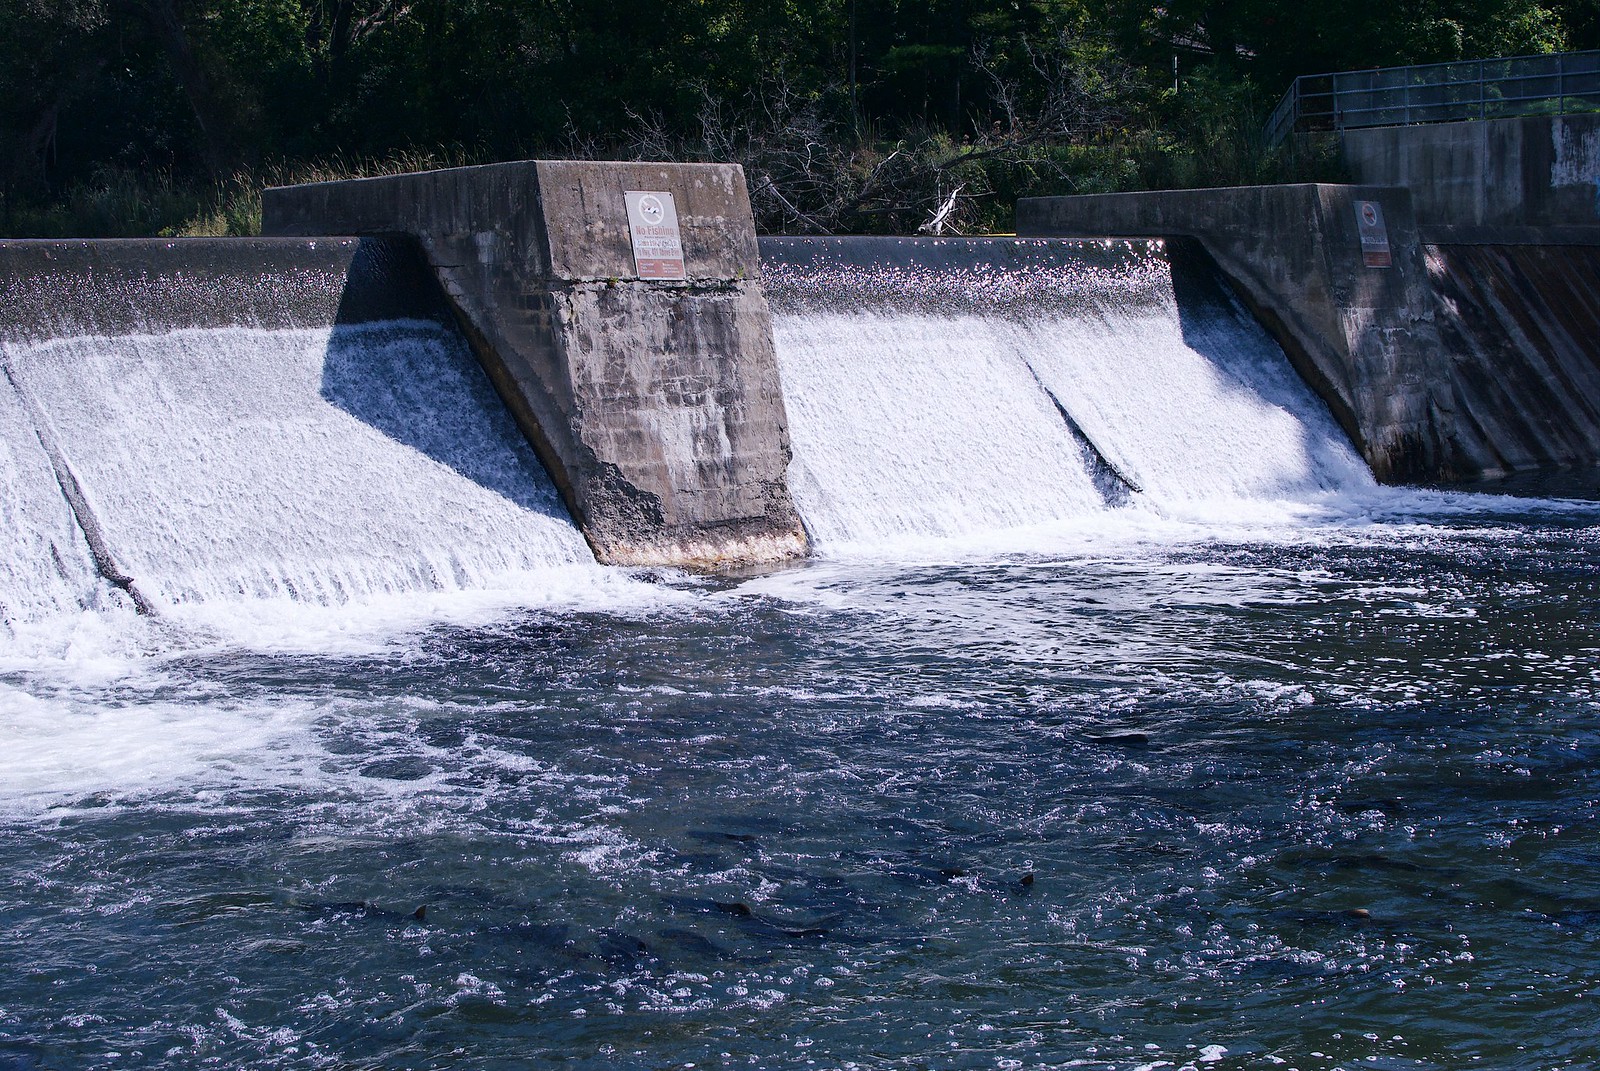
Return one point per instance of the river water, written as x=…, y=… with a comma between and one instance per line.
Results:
x=1106, y=766
x=1323, y=795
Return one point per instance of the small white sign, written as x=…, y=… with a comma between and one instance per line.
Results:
x=1374, y=235
x=657, y=245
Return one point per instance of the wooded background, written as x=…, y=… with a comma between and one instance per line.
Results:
x=128, y=117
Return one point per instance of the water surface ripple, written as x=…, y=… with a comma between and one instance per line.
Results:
x=1315, y=803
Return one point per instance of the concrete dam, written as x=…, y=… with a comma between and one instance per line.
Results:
x=1443, y=306
x=406, y=659
x=495, y=382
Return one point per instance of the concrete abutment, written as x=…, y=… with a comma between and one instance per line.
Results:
x=1467, y=346
x=654, y=402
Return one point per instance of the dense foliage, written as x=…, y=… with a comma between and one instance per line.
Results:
x=146, y=116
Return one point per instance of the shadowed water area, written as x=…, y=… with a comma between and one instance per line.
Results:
x=1266, y=767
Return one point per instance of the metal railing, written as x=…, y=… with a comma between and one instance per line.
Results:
x=1558, y=83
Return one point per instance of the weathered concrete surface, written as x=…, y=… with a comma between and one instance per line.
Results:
x=1522, y=326
x=1476, y=181
x=1363, y=337
x=656, y=406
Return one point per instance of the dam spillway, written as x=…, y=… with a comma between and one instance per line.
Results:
x=310, y=427
x=184, y=432
x=1182, y=716
x=947, y=386
x=325, y=464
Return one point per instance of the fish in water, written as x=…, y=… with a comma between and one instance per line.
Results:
x=1354, y=916
x=361, y=908
x=696, y=944
x=717, y=835
x=755, y=923
x=1128, y=740
x=621, y=949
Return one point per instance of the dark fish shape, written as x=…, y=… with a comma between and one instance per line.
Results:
x=1354, y=916
x=694, y=943
x=1127, y=740
x=752, y=922
x=621, y=949
x=1371, y=861
x=717, y=836
x=362, y=909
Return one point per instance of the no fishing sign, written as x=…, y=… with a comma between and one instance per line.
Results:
x=657, y=245
x=1374, y=235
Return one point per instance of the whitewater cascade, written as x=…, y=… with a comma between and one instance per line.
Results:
x=319, y=464
x=301, y=441
x=948, y=386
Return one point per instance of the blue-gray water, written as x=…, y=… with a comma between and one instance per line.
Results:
x=1327, y=798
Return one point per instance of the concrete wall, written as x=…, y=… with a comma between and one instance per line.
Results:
x=1474, y=181
x=1521, y=325
x=655, y=405
x=1363, y=337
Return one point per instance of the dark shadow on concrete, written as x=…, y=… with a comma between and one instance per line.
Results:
x=397, y=361
x=1522, y=324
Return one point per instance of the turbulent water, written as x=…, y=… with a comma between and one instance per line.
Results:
x=1078, y=761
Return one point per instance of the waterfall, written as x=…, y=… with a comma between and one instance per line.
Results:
x=320, y=464
x=947, y=386
x=172, y=436
x=46, y=569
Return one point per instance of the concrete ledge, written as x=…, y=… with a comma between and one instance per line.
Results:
x=655, y=405
x=54, y=289
x=1362, y=336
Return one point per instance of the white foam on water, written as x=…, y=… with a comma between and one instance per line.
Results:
x=1154, y=549
x=384, y=622
x=63, y=749
x=918, y=412
x=325, y=466
x=45, y=569
x=920, y=426
x=1189, y=407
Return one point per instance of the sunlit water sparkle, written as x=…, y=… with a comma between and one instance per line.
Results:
x=1321, y=790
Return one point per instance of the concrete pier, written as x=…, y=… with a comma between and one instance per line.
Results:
x=648, y=384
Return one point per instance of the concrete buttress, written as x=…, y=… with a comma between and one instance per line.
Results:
x=654, y=403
